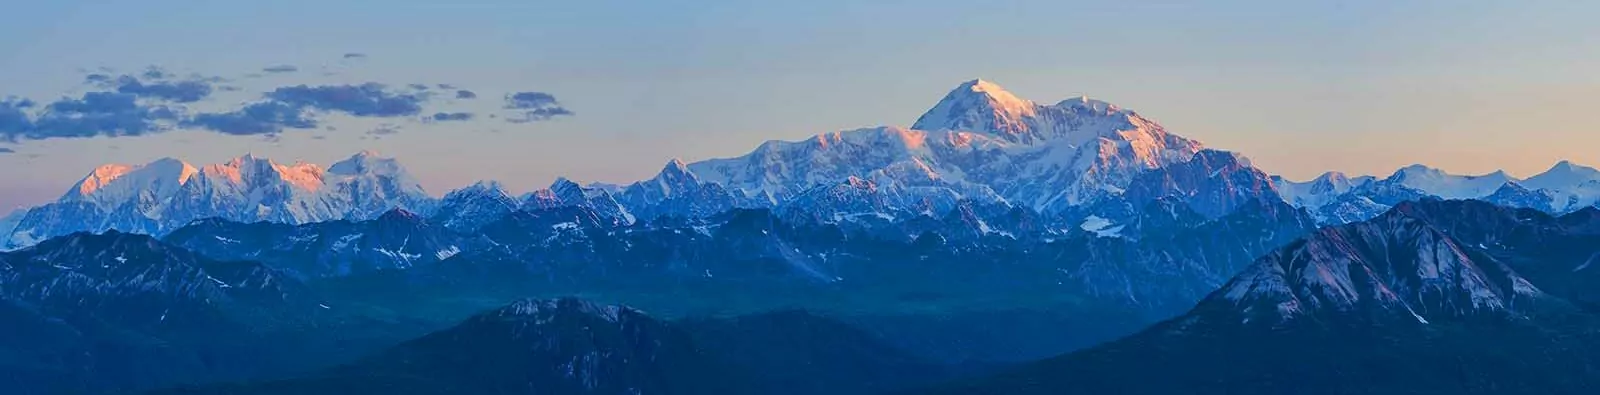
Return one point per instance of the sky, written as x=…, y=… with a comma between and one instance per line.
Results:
x=612, y=90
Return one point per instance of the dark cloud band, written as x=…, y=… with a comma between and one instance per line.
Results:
x=96, y=114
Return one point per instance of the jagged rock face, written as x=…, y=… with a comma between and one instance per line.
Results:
x=1515, y=195
x=119, y=313
x=853, y=200
x=1557, y=253
x=1212, y=184
x=678, y=192
x=1394, y=267
x=468, y=209
x=567, y=194
x=1169, y=269
x=168, y=194
x=397, y=240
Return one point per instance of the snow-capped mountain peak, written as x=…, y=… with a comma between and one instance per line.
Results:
x=1331, y=182
x=367, y=162
x=1564, y=174
x=1449, y=186
x=676, y=170
x=979, y=142
x=372, y=184
x=984, y=107
x=482, y=187
x=468, y=209
x=1319, y=191
x=110, y=185
x=675, y=178
x=567, y=193
x=251, y=172
x=980, y=105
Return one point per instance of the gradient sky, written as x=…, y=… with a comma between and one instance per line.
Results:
x=1360, y=87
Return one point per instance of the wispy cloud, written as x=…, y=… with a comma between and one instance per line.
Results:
x=384, y=130
x=282, y=68
x=534, y=106
x=295, y=107
x=268, y=117
x=365, y=100
x=155, y=73
x=452, y=116
x=179, y=91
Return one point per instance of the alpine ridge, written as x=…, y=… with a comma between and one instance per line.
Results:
x=166, y=194
x=1336, y=198
x=1401, y=303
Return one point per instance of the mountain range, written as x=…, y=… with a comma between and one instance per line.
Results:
x=1071, y=164
x=1335, y=198
x=163, y=195
x=996, y=245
